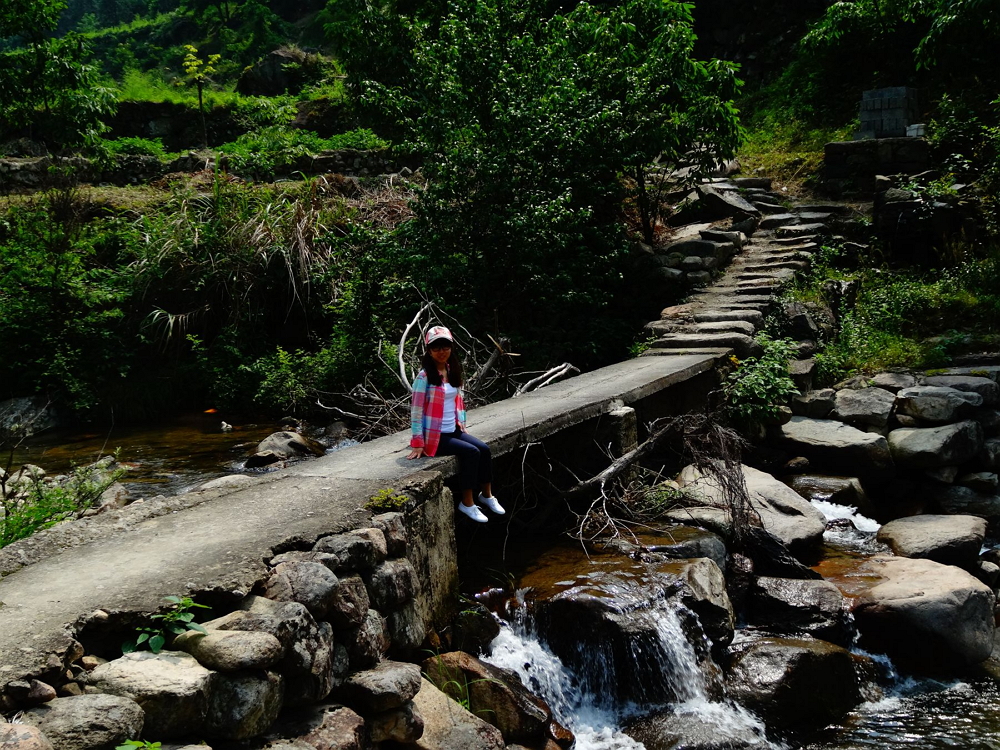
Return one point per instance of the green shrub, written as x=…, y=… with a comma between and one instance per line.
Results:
x=40, y=504
x=260, y=152
x=167, y=625
x=386, y=500
x=759, y=385
x=135, y=146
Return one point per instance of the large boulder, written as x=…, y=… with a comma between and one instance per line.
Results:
x=310, y=665
x=949, y=540
x=26, y=416
x=448, y=726
x=492, y=693
x=794, y=683
x=789, y=605
x=309, y=583
x=936, y=404
x=985, y=387
x=725, y=204
x=87, y=722
x=845, y=491
x=682, y=542
x=959, y=500
x=388, y=685
x=933, y=447
x=864, y=406
x=171, y=687
x=22, y=737
x=289, y=445
x=838, y=447
x=244, y=705
x=781, y=510
x=926, y=616
x=231, y=650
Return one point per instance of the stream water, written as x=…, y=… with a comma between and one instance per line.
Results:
x=162, y=459
x=908, y=714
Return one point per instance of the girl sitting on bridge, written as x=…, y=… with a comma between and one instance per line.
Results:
x=437, y=420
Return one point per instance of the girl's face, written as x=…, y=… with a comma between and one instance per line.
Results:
x=440, y=351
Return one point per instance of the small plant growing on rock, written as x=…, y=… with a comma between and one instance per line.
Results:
x=176, y=620
x=386, y=500
x=139, y=745
x=759, y=385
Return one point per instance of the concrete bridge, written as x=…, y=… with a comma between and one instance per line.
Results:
x=66, y=581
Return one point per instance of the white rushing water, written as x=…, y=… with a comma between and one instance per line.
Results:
x=595, y=719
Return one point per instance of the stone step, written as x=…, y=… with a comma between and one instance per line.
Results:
x=715, y=316
x=793, y=240
x=743, y=345
x=795, y=265
x=801, y=230
x=711, y=351
x=832, y=208
x=777, y=221
x=730, y=326
x=769, y=208
x=753, y=182
x=814, y=216
x=778, y=274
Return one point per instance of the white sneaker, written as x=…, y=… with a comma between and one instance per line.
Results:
x=473, y=512
x=492, y=504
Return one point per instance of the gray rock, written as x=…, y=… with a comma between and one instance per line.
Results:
x=944, y=474
x=340, y=729
x=949, y=539
x=725, y=204
x=495, y=694
x=987, y=572
x=290, y=444
x=985, y=387
x=692, y=263
x=683, y=542
x=704, y=593
x=931, y=447
x=926, y=616
x=406, y=631
x=814, y=404
x=171, y=687
x=794, y=683
x=244, y=705
x=782, y=512
x=388, y=685
x=959, y=500
x=991, y=453
x=355, y=550
x=393, y=528
x=367, y=643
x=350, y=603
x=309, y=661
x=26, y=737
x=26, y=416
x=894, y=381
x=448, y=726
x=865, y=406
x=392, y=584
x=936, y=404
x=231, y=650
x=989, y=419
x=403, y=724
x=86, y=722
x=839, y=447
x=309, y=583
x=788, y=605
x=985, y=482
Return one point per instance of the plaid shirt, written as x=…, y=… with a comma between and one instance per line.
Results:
x=426, y=412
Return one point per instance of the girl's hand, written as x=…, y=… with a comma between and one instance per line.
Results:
x=416, y=453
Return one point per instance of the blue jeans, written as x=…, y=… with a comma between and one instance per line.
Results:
x=474, y=460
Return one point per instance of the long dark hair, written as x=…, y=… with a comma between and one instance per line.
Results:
x=455, y=373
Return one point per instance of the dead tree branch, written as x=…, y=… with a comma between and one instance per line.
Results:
x=547, y=377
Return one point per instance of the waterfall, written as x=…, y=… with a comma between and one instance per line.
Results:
x=582, y=702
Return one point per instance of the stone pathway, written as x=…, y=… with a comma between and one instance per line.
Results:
x=728, y=312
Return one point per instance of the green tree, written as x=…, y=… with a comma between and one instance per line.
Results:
x=46, y=84
x=198, y=71
x=528, y=124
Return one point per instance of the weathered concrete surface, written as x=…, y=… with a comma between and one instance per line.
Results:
x=129, y=559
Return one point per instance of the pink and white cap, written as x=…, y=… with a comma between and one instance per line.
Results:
x=437, y=332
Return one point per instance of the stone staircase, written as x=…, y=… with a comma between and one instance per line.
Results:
x=728, y=311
